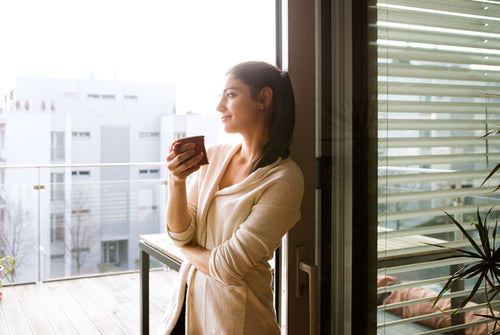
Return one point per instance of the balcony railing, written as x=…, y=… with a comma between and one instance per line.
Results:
x=65, y=220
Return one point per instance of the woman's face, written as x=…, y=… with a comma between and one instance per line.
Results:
x=240, y=112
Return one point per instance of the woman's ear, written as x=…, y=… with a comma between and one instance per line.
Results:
x=266, y=97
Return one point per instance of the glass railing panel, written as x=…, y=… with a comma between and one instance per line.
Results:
x=94, y=215
x=20, y=203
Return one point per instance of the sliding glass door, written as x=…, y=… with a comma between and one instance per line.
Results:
x=438, y=96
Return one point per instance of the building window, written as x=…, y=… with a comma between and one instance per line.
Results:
x=145, y=134
x=57, y=186
x=111, y=252
x=150, y=171
x=85, y=173
x=80, y=134
x=93, y=96
x=57, y=145
x=2, y=137
x=56, y=227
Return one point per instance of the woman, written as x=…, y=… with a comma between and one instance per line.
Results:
x=237, y=209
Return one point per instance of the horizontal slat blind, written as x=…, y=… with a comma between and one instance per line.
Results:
x=454, y=107
x=438, y=95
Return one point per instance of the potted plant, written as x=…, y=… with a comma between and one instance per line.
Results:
x=485, y=254
x=484, y=268
x=6, y=266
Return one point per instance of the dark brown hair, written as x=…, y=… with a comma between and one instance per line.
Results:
x=258, y=75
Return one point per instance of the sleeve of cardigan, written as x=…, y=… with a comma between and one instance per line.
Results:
x=183, y=238
x=276, y=211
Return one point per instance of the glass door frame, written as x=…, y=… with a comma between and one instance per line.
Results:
x=331, y=53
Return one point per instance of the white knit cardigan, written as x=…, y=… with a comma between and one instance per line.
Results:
x=243, y=225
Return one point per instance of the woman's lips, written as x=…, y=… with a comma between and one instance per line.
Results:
x=225, y=117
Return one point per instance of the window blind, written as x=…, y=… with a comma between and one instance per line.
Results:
x=438, y=95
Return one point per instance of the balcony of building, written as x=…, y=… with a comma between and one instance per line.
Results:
x=98, y=304
x=64, y=220
x=74, y=230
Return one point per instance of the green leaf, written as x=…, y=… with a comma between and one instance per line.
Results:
x=466, y=234
x=457, y=276
x=493, y=293
x=482, y=228
x=494, y=132
x=494, y=234
x=462, y=253
x=473, y=271
x=471, y=295
x=495, y=169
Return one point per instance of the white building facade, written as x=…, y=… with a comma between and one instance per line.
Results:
x=82, y=173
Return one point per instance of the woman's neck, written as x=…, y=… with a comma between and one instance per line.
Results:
x=251, y=148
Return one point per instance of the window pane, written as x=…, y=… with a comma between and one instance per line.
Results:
x=57, y=145
x=57, y=186
x=95, y=107
x=439, y=94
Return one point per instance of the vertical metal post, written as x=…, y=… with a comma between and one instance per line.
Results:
x=277, y=253
x=279, y=34
x=39, y=242
x=144, y=264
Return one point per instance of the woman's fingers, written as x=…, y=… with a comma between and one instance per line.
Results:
x=182, y=160
x=186, y=159
x=171, y=155
x=187, y=172
x=181, y=147
x=182, y=165
x=183, y=157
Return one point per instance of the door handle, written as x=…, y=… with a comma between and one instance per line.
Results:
x=312, y=273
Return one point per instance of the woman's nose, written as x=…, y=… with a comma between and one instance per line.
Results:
x=221, y=106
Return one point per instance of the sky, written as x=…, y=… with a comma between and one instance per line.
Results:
x=189, y=42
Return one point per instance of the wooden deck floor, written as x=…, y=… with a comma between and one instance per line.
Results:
x=94, y=305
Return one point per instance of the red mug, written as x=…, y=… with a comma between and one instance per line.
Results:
x=199, y=142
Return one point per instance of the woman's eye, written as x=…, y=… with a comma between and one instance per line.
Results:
x=230, y=95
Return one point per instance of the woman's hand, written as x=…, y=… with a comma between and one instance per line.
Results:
x=183, y=164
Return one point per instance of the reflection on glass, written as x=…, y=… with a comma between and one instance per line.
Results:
x=439, y=94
